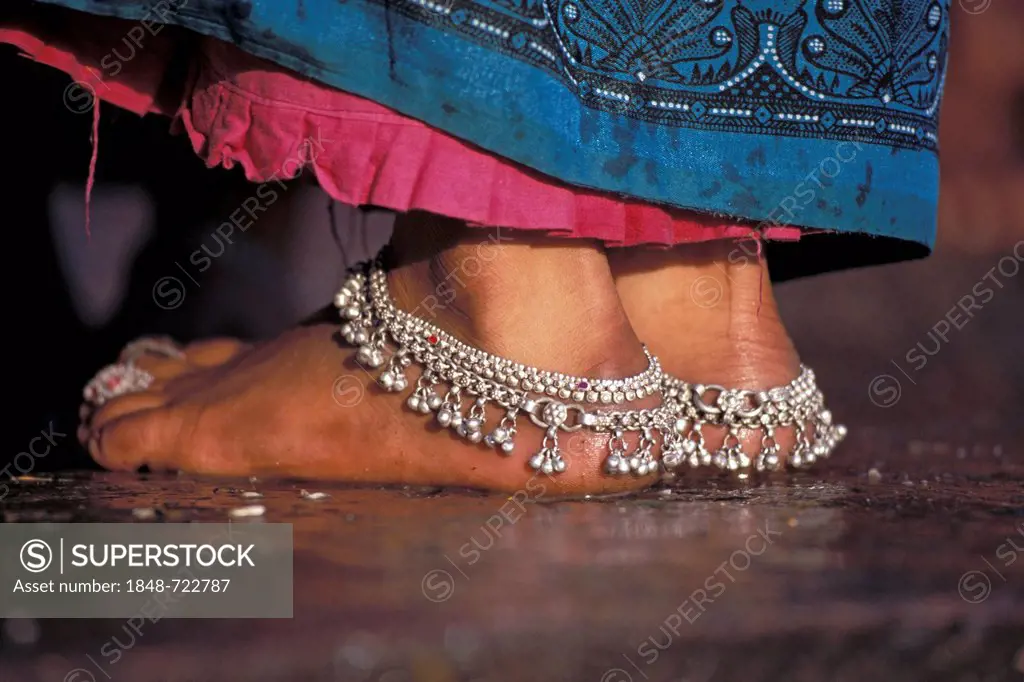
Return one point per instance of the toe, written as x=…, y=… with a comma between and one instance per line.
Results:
x=163, y=368
x=123, y=406
x=213, y=352
x=139, y=438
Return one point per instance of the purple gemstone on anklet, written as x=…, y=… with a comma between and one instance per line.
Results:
x=583, y=385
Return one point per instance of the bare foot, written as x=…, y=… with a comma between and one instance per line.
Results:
x=708, y=312
x=299, y=405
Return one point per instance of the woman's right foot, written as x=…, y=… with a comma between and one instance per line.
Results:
x=299, y=406
x=708, y=312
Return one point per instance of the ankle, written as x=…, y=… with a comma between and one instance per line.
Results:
x=708, y=311
x=552, y=304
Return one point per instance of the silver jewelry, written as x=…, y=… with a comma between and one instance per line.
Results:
x=115, y=380
x=124, y=376
x=458, y=382
x=154, y=345
x=799, y=404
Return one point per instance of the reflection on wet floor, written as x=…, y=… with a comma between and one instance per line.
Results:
x=831, y=575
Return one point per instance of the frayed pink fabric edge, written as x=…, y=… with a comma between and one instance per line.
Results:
x=240, y=110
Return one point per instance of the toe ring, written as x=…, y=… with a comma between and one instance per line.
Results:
x=114, y=380
x=154, y=345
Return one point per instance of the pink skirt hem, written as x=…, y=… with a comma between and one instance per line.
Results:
x=237, y=109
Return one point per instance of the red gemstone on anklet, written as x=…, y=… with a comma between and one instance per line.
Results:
x=432, y=339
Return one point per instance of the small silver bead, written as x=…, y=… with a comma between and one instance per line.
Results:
x=413, y=402
x=555, y=414
x=364, y=354
x=434, y=401
x=537, y=461
x=444, y=418
x=351, y=312
x=507, y=447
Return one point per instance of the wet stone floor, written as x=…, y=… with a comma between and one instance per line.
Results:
x=906, y=573
x=901, y=558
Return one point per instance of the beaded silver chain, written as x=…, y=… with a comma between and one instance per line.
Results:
x=799, y=404
x=458, y=382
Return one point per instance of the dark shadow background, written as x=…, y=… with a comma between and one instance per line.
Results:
x=53, y=353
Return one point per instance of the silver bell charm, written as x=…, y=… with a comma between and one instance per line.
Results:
x=673, y=456
x=363, y=355
x=393, y=381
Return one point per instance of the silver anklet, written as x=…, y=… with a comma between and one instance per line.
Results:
x=375, y=325
x=799, y=404
x=453, y=371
